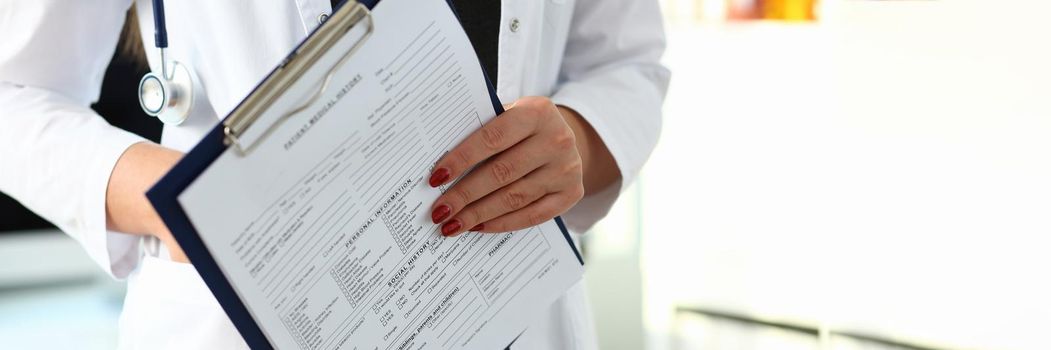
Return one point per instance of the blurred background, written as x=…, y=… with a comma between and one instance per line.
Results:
x=834, y=174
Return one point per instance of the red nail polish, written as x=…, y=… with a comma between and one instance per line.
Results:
x=451, y=227
x=440, y=213
x=478, y=227
x=438, y=177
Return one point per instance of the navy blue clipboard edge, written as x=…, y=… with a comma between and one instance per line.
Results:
x=163, y=195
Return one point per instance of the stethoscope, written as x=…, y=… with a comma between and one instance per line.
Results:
x=168, y=95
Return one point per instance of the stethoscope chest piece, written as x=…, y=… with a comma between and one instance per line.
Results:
x=170, y=98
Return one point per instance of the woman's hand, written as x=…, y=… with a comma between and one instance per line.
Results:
x=127, y=209
x=529, y=170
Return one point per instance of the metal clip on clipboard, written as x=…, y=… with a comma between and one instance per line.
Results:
x=341, y=22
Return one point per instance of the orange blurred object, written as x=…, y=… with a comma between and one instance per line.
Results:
x=788, y=10
x=780, y=10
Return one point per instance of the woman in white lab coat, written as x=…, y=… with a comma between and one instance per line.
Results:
x=594, y=64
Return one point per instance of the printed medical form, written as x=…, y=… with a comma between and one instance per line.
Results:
x=323, y=230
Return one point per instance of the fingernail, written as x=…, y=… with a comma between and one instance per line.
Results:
x=438, y=177
x=440, y=213
x=451, y=227
x=478, y=227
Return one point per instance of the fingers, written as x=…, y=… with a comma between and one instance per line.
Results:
x=529, y=172
x=499, y=134
x=511, y=198
x=515, y=203
x=536, y=213
x=516, y=196
x=495, y=173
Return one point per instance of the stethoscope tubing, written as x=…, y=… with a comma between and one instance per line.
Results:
x=169, y=96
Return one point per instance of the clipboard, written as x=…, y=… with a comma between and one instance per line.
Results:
x=229, y=135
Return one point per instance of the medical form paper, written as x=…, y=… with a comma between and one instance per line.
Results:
x=323, y=231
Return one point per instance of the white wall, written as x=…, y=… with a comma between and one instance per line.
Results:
x=887, y=170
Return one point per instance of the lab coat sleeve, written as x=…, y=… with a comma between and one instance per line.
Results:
x=56, y=154
x=611, y=74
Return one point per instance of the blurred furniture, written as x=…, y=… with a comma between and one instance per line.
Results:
x=42, y=258
x=782, y=332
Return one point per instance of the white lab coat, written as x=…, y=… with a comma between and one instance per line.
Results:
x=599, y=57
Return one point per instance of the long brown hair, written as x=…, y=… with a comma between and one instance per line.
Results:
x=130, y=46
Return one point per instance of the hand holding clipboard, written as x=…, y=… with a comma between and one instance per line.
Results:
x=282, y=232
